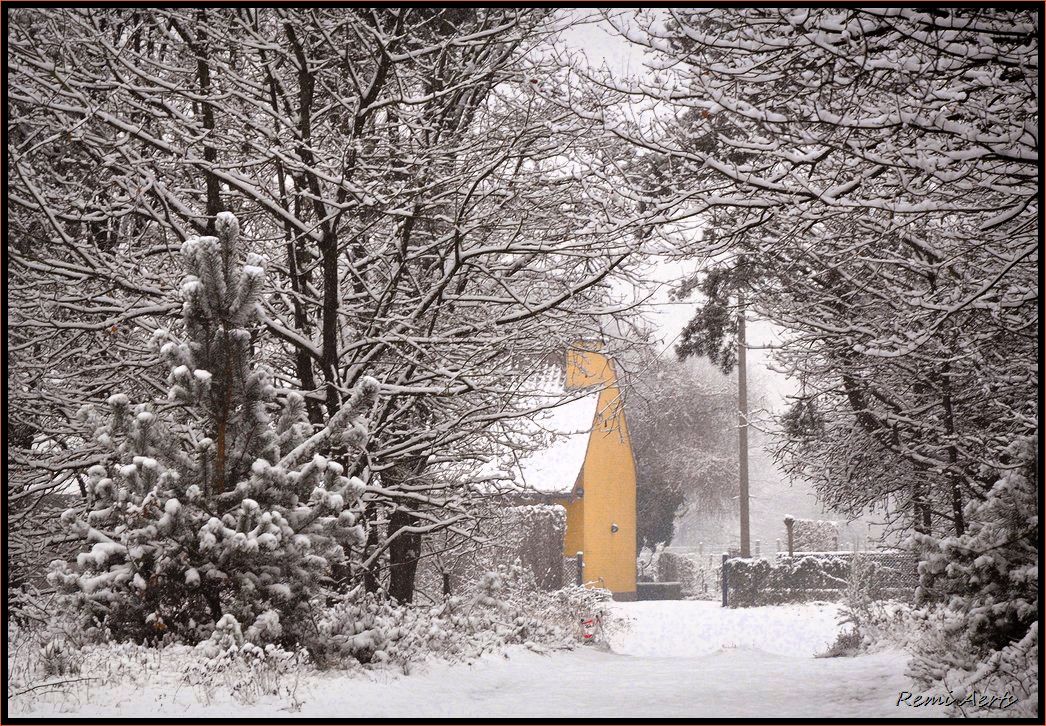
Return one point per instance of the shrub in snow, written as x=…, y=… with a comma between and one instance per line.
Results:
x=245, y=669
x=863, y=609
x=982, y=589
x=59, y=657
x=506, y=608
x=847, y=644
x=699, y=575
x=648, y=562
x=946, y=662
x=866, y=617
x=206, y=505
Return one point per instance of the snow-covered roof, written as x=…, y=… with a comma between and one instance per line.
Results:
x=553, y=468
x=545, y=450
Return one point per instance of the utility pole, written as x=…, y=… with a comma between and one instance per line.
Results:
x=742, y=422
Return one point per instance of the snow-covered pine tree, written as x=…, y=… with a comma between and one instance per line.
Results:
x=205, y=506
x=990, y=575
x=986, y=586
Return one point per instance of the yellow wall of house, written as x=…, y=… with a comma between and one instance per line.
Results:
x=609, y=482
x=588, y=367
x=574, y=540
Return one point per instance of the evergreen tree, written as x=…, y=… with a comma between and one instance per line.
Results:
x=988, y=578
x=982, y=592
x=205, y=506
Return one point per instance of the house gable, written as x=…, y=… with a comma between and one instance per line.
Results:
x=606, y=508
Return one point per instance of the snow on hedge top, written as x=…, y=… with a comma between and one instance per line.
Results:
x=545, y=450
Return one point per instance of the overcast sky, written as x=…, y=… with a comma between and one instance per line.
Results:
x=602, y=46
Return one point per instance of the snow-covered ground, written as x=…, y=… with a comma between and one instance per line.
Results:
x=675, y=658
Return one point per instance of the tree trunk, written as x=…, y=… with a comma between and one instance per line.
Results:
x=214, y=603
x=297, y=266
x=920, y=507
x=370, y=575
x=210, y=152
x=953, y=455
x=329, y=321
x=403, y=556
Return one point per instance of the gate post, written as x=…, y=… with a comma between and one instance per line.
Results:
x=580, y=558
x=723, y=578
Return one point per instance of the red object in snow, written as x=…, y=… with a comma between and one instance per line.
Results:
x=588, y=628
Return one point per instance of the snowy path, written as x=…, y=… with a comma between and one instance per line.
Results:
x=677, y=659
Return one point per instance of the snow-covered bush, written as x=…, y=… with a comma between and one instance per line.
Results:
x=60, y=657
x=204, y=505
x=506, y=608
x=648, y=562
x=946, y=662
x=247, y=670
x=698, y=576
x=866, y=617
x=32, y=547
x=863, y=608
x=848, y=643
x=703, y=576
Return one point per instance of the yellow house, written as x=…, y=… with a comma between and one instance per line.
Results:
x=601, y=506
x=584, y=462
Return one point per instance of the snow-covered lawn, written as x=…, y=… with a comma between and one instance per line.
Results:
x=678, y=658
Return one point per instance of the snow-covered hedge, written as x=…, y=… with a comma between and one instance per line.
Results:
x=900, y=565
x=358, y=631
x=506, y=608
x=531, y=535
x=813, y=535
x=754, y=582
